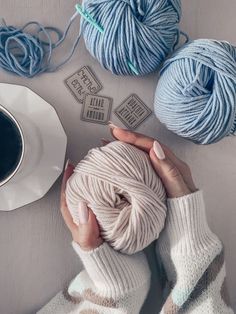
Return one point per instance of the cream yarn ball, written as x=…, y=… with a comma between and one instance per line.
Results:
x=118, y=183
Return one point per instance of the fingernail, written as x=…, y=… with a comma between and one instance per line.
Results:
x=66, y=165
x=112, y=126
x=83, y=213
x=158, y=150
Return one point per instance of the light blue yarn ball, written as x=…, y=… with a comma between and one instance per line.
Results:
x=142, y=32
x=196, y=94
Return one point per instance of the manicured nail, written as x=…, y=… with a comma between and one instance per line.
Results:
x=112, y=126
x=158, y=150
x=66, y=165
x=83, y=213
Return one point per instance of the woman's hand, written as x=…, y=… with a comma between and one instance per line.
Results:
x=174, y=173
x=87, y=234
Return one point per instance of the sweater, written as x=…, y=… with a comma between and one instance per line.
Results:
x=193, y=265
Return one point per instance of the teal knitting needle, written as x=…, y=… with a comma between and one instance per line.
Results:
x=88, y=17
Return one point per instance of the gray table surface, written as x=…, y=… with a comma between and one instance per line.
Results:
x=36, y=259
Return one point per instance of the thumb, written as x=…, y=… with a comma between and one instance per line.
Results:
x=88, y=233
x=168, y=172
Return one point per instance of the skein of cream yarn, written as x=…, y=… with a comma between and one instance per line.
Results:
x=118, y=183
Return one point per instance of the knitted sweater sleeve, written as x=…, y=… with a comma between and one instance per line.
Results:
x=110, y=283
x=193, y=260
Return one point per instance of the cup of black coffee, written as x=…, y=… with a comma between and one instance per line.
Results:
x=11, y=146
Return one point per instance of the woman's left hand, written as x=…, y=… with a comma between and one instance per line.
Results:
x=87, y=234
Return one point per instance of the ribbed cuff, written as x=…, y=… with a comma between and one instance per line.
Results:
x=114, y=273
x=187, y=230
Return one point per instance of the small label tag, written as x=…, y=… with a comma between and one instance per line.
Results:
x=96, y=109
x=132, y=112
x=83, y=82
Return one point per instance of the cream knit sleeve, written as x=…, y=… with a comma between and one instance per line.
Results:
x=193, y=260
x=111, y=283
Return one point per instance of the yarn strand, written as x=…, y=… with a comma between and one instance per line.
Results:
x=26, y=54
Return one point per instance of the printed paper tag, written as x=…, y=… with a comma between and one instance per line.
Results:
x=83, y=82
x=132, y=112
x=96, y=109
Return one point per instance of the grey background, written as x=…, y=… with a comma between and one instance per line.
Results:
x=36, y=259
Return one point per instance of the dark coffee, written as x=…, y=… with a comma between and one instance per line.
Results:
x=10, y=146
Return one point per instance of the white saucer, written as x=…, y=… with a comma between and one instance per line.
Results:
x=45, y=147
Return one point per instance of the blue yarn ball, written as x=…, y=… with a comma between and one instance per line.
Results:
x=140, y=32
x=196, y=94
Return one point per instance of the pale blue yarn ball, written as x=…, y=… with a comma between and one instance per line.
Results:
x=142, y=32
x=196, y=94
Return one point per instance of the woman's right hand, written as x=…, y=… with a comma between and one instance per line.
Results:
x=174, y=173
